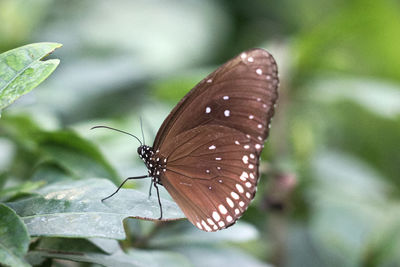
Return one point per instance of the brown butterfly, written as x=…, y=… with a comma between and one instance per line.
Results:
x=206, y=153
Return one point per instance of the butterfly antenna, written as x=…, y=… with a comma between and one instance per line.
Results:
x=141, y=128
x=106, y=127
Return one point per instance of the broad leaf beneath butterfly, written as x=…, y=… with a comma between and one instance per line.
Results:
x=74, y=209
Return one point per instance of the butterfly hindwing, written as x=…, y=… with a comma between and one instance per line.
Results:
x=218, y=175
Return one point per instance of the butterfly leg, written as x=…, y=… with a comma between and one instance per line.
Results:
x=129, y=178
x=151, y=185
x=159, y=200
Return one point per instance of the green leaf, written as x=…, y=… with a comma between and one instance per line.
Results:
x=14, y=238
x=179, y=234
x=349, y=198
x=75, y=154
x=24, y=188
x=339, y=41
x=3, y=179
x=207, y=249
x=22, y=69
x=108, y=246
x=218, y=256
x=158, y=258
x=380, y=97
x=52, y=156
x=81, y=250
x=74, y=209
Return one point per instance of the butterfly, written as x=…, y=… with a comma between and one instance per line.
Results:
x=207, y=151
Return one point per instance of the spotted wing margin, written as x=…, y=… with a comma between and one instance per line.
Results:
x=253, y=70
x=214, y=180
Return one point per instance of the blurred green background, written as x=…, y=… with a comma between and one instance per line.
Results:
x=329, y=194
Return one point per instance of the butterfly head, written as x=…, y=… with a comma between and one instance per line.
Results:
x=145, y=152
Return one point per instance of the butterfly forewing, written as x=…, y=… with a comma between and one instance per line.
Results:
x=213, y=138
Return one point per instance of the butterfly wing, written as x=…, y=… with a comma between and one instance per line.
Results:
x=213, y=139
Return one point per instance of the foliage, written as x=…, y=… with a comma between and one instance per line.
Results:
x=14, y=239
x=329, y=194
x=21, y=70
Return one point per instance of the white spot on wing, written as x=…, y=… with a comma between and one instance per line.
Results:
x=234, y=195
x=229, y=218
x=259, y=71
x=209, y=81
x=251, y=117
x=241, y=203
x=227, y=113
x=218, y=158
x=208, y=229
x=245, y=159
x=250, y=59
x=244, y=176
x=199, y=226
x=222, y=209
x=216, y=216
x=221, y=224
x=230, y=202
x=248, y=184
x=225, y=97
x=239, y=188
x=212, y=147
x=208, y=109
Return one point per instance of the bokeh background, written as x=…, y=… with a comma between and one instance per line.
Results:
x=329, y=194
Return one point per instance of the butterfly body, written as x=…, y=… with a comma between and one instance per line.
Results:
x=206, y=153
x=154, y=161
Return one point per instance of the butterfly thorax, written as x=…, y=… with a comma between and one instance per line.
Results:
x=155, y=162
